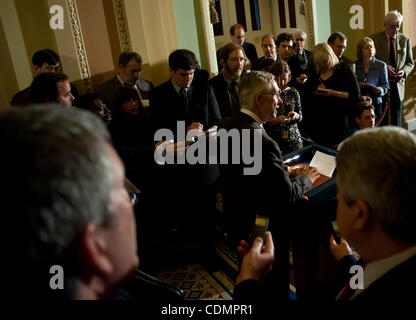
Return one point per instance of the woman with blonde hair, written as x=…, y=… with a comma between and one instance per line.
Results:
x=371, y=74
x=331, y=92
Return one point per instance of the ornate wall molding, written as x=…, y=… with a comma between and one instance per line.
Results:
x=122, y=25
x=309, y=24
x=79, y=45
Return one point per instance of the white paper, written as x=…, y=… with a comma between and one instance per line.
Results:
x=325, y=163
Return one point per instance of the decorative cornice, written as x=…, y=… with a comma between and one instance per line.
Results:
x=309, y=24
x=122, y=25
x=79, y=44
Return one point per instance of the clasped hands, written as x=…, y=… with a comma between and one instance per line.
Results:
x=393, y=74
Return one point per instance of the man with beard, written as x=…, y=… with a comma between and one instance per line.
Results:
x=225, y=85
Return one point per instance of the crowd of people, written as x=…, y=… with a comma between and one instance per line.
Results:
x=72, y=164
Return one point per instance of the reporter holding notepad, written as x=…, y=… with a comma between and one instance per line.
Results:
x=331, y=92
x=371, y=74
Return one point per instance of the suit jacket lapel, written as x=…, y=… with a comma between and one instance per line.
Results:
x=399, y=51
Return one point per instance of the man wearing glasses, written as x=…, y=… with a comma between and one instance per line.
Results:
x=225, y=84
x=395, y=50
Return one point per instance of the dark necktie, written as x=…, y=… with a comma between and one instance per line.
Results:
x=184, y=96
x=392, y=57
x=233, y=94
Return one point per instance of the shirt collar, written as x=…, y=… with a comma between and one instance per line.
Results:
x=227, y=81
x=376, y=269
x=252, y=115
x=388, y=38
x=120, y=80
x=177, y=88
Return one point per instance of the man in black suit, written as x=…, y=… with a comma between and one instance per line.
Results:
x=338, y=42
x=237, y=35
x=129, y=68
x=274, y=190
x=375, y=214
x=181, y=104
x=298, y=62
x=182, y=98
x=225, y=85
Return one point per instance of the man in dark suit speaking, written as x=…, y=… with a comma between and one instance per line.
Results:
x=274, y=190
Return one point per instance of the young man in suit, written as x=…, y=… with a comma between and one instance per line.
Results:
x=44, y=61
x=185, y=102
x=129, y=68
x=274, y=190
x=51, y=88
x=225, y=85
x=395, y=49
x=374, y=214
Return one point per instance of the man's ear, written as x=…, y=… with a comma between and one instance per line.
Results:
x=362, y=213
x=357, y=120
x=258, y=98
x=94, y=250
x=222, y=62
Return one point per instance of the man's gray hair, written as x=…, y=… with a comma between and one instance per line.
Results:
x=251, y=84
x=269, y=35
x=302, y=34
x=56, y=177
x=378, y=166
x=393, y=16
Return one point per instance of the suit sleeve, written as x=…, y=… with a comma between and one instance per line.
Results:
x=383, y=80
x=289, y=190
x=408, y=66
x=214, y=110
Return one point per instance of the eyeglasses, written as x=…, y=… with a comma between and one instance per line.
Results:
x=133, y=198
x=393, y=26
x=238, y=59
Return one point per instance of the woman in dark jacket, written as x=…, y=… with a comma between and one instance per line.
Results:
x=131, y=135
x=331, y=92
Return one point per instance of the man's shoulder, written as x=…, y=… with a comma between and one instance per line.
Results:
x=378, y=36
x=378, y=63
x=144, y=85
x=110, y=83
x=308, y=53
x=397, y=284
x=163, y=86
x=218, y=80
x=238, y=120
x=21, y=98
x=164, y=91
x=247, y=45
